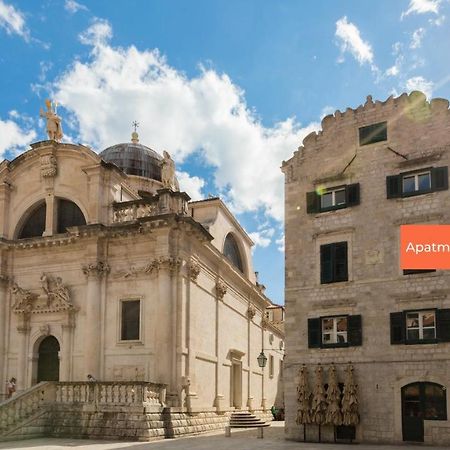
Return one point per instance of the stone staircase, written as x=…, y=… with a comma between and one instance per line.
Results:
x=245, y=419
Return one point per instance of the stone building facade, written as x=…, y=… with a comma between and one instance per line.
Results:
x=348, y=189
x=106, y=269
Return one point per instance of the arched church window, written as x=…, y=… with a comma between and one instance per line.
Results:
x=35, y=223
x=69, y=215
x=231, y=251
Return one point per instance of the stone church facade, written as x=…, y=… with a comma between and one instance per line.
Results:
x=107, y=270
x=348, y=189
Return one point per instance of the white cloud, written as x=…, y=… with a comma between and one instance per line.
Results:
x=280, y=244
x=206, y=113
x=192, y=185
x=73, y=7
x=262, y=238
x=422, y=7
x=350, y=40
x=12, y=20
x=326, y=110
x=13, y=137
x=99, y=33
x=420, y=84
x=416, y=38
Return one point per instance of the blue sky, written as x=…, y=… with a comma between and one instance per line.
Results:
x=229, y=88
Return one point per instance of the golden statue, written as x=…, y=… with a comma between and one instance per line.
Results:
x=54, y=128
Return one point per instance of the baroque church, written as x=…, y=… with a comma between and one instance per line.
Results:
x=108, y=270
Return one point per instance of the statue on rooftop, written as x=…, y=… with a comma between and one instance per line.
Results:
x=54, y=127
x=168, y=177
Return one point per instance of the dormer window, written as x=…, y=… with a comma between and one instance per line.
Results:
x=232, y=253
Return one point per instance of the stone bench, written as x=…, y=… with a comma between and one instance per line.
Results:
x=260, y=428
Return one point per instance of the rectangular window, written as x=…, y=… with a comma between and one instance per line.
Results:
x=370, y=134
x=130, y=320
x=420, y=325
x=332, y=198
x=418, y=182
x=333, y=263
x=334, y=330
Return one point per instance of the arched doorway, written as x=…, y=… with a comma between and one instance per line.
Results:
x=421, y=401
x=48, y=360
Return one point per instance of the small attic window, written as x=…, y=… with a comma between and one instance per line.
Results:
x=231, y=252
x=370, y=134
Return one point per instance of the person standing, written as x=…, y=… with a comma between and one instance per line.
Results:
x=11, y=387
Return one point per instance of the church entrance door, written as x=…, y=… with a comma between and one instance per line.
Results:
x=48, y=361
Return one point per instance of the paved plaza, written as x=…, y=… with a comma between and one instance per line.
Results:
x=239, y=440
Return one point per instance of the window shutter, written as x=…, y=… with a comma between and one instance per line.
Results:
x=312, y=202
x=443, y=324
x=354, y=330
x=326, y=263
x=314, y=331
x=340, y=262
x=398, y=328
x=394, y=186
x=439, y=178
x=352, y=194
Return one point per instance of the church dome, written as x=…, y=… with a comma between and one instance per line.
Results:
x=134, y=158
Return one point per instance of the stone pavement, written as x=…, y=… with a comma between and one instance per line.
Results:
x=239, y=440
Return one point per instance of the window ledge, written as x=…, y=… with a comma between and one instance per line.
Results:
x=130, y=342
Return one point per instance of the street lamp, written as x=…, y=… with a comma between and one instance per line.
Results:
x=262, y=359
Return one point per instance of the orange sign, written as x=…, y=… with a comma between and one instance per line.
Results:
x=425, y=246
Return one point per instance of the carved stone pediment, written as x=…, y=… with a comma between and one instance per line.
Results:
x=55, y=297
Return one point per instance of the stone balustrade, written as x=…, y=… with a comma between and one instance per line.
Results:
x=22, y=406
x=112, y=393
x=135, y=209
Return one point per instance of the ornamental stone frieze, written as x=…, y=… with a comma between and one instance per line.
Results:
x=96, y=270
x=170, y=263
x=48, y=166
x=221, y=289
x=193, y=268
x=55, y=297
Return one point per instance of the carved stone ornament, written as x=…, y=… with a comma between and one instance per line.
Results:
x=221, y=289
x=193, y=269
x=55, y=297
x=172, y=264
x=48, y=166
x=251, y=311
x=45, y=329
x=97, y=270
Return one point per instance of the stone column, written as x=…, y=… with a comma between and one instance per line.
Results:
x=3, y=311
x=221, y=290
x=92, y=326
x=251, y=311
x=21, y=376
x=66, y=352
x=50, y=215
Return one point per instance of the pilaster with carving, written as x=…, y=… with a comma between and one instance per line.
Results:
x=96, y=270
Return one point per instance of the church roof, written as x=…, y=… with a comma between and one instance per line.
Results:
x=134, y=159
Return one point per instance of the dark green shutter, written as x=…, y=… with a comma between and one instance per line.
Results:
x=439, y=179
x=443, y=325
x=312, y=202
x=340, y=261
x=398, y=328
x=354, y=324
x=394, y=186
x=352, y=194
x=314, y=332
x=326, y=263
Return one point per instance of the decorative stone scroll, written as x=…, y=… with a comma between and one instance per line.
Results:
x=221, y=289
x=193, y=269
x=55, y=297
x=98, y=270
x=48, y=166
x=251, y=311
